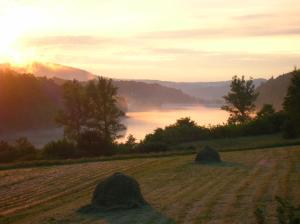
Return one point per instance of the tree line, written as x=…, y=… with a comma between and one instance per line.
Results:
x=27, y=101
x=242, y=121
x=91, y=120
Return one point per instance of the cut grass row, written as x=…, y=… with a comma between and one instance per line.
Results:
x=223, y=145
x=178, y=190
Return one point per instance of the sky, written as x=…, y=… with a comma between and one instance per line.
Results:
x=178, y=40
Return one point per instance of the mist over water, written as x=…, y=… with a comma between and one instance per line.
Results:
x=138, y=123
x=141, y=123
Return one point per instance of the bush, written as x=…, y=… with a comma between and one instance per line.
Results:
x=25, y=150
x=128, y=147
x=260, y=215
x=7, y=152
x=287, y=213
x=21, y=150
x=153, y=147
x=61, y=149
x=226, y=131
x=265, y=124
x=289, y=130
x=184, y=130
x=92, y=144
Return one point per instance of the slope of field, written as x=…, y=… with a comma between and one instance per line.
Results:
x=178, y=190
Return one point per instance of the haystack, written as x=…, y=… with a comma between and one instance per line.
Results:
x=208, y=155
x=116, y=192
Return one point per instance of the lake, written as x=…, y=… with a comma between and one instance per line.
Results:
x=139, y=123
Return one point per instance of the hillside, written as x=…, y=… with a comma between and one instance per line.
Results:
x=27, y=102
x=273, y=91
x=138, y=95
x=31, y=102
x=207, y=91
x=51, y=70
x=141, y=95
x=177, y=189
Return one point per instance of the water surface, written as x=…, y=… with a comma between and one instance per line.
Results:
x=138, y=123
x=141, y=123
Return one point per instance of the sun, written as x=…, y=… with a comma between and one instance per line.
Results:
x=14, y=25
x=11, y=52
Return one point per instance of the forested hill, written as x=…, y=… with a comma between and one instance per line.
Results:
x=273, y=91
x=30, y=102
x=141, y=95
x=51, y=70
x=209, y=91
x=27, y=102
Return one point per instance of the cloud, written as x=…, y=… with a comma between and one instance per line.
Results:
x=66, y=40
x=254, y=16
x=172, y=51
x=223, y=32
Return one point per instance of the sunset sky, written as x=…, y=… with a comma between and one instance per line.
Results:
x=179, y=40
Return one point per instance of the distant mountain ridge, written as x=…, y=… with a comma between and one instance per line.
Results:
x=145, y=94
x=51, y=70
x=209, y=91
x=138, y=95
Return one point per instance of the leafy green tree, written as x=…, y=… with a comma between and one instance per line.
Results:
x=240, y=100
x=291, y=102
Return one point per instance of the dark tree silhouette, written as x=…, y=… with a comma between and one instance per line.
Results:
x=74, y=115
x=27, y=102
x=240, y=100
x=291, y=102
x=266, y=111
x=103, y=112
x=91, y=116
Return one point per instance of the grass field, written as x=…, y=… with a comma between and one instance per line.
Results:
x=223, y=145
x=241, y=143
x=178, y=190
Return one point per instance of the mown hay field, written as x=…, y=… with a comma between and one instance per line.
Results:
x=178, y=190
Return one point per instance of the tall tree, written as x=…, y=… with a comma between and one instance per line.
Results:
x=240, y=100
x=74, y=115
x=104, y=114
x=291, y=102
x=91, y=115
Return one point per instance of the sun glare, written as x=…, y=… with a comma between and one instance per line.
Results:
x=14, y=25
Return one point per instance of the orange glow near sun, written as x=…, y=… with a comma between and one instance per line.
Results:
x=14, y=25
x=194, y=40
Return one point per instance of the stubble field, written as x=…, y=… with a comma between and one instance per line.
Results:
x=177, y=189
